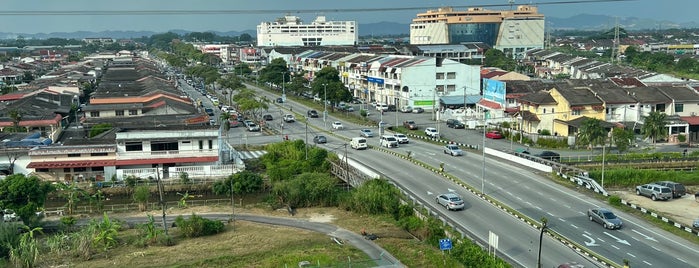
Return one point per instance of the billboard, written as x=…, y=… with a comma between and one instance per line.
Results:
x=494, y=90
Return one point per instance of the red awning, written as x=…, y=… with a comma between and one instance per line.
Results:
x=72, y=164
x=691, y=120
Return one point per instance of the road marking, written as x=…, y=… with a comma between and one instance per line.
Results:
x=576, y=227
x=451, y=190
x=429, y=193
x=655, y=248
x=509, y=193
x=639, y=240
x=550, y=214
x=581, y=213
x=645, y=236
x=647, y=263
x=592, y=241
x=519, y=198
x=600, y=239
x=630, y=254
x=561, y=219
x=614, y=246
x=588, y=233
x=537, y=207
x=682, y=260
x=553, y=199
x=618, y=239
x=567, y=206
x=528, y=203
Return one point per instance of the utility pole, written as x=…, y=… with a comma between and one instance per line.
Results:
x=232, y=204
x=541, y=238
x=347, y=169
x=162, y=203
x=325, y=107
x=306, y=145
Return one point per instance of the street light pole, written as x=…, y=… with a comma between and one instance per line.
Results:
x=541, y=238
x=283, y=88
x=483, y=149
x=325, y=106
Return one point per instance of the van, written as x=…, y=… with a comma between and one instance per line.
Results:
x=678, y=189
x=389, y=141
x=358, y=143
x=381, y=107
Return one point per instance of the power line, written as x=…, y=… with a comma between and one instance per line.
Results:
x=256, y=11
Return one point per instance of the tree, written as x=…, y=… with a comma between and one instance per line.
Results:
x=106, y=233
x=274, y=72
x=654, y=126
x=26, y=253
x=591, y=133
x=496, y=58
x=245, y=37
x=16, y=117
x=24, y=195
x=248, y=101
x=327, y=84
x=622, y=139
x=141, y=196
x=243, y=182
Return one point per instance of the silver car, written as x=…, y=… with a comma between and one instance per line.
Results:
x=453, y=150
x=654, y=191
x=450, y=201
x=605, y=217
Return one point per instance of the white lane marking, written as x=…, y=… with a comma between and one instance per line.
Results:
x=682, y=260
x=647, y=263
x=567, y=206
x=581, y=213
x=519, y=198
x=561, y=219
x=644, y=236
x=576, y=227
x=630, y=254
x=655, y=248
x=509, y=193
x=537, y=207
x=614, y=246
x=550, y=214
x=639, y=240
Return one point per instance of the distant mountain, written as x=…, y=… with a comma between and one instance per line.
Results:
x=113, y=34
x=603, y=22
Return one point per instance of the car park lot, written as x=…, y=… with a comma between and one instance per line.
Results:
x=683, y=210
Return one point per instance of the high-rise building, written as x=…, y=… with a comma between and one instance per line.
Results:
x=512, y=31
x=291, y=31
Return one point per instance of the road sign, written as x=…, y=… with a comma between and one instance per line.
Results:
x=445, y=244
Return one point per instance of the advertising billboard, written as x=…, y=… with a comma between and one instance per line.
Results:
x=494, y=90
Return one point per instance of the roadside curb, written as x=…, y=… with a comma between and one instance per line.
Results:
x=669, y=221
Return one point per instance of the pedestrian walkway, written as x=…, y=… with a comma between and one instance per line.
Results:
x=250, y=154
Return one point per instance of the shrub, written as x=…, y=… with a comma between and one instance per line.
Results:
x=551, y=143
x=197, y=226
x=614, y=200
x=681, y=138
x=545, y=132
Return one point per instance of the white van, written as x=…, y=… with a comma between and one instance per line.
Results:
x=381, y=107
x=358, y=143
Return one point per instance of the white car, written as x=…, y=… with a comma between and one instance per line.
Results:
x=289, y=118
x=401, y=138
x=432, y=132
x=338, y=125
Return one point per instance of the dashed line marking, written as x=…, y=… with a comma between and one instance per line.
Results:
x=647, y=263
x=587, y=233
x=550, y=214
x=635, y=239
x=630, y=254
x=537, y=207
x=567, y=206
x=655, y=248
x=682, y=260
x=576, y=227
x=561, y=219
x=581, y=213
x=553, y=199
x=509, y=193
x=519, y=198
x=600, y=239
x=614, y=246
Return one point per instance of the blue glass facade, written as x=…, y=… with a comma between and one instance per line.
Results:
x=474, y=32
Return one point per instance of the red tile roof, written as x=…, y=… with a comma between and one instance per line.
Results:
x=489, y=104
x=74, y=164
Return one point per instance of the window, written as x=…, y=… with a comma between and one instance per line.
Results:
x=119, y=112
x=679, y=107
x=133, y=112
x=98, y=154
x=544, y=110
x=211, y=144
x=552, y=111
x=134, y=146
x=95, y=114
x=73, y=155
x=201, y=145
x=451, y=75
x=575, y=112
x=163, y=146
x=440, y=76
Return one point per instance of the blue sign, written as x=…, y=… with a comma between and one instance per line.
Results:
x=375, y=80
x=445, y=244
x=494, y=90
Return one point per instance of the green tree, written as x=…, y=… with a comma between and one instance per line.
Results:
x=327, y=84
x=26, y=253
x=250, y=102
x=375, y=197
x=622, y=139
x=307, y=189
x=244, y=182
x=654, y=126
x=276, y=71
x=141, y=196
x=591, y=133
x=24, y=195
x=496, y=58
x=16, y=117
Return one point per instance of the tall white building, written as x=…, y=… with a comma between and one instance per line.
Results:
x=291, y=31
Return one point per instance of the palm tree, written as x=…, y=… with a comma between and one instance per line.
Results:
x=590, y=133
x=654, y=126
x=16, y=116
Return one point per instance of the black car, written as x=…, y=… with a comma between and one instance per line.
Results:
x=280, y=100
x=312, y=113
x=549, y=155
x=268, y=117
x=453, y=123
x=319, y=139
x=391, y=108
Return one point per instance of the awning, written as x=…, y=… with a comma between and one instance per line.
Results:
x=72, y=164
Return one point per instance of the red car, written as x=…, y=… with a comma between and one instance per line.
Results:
x=493, y=134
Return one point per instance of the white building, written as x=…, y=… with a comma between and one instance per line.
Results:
x=290, y=31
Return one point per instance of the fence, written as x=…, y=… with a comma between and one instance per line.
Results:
x=94, y=208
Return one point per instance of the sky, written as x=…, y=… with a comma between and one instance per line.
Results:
x=10, y=21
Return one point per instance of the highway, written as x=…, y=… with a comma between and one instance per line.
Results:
x=520, y=188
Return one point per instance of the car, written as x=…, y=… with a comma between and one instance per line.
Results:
x=320, y=139
x=604, y=217
x=549, y=155
x=382, y=107
x=268, y=117
x=367, y=133
x=695, y=224
x=338, y=125
x=289, y=118
x=391, y=108
x=357, y=101
x=453, y=123
x=571, y=265
x=410, y=124
x=432, y=132
x=252, y=127
x=401, y=138
x=493, y=134
x=312, y=113
x=209, y=111
x=451, y=201
x=280, y=100
x=406, y=109
x=654, y=192
x=678, y=189
x=358, y=143
x=453, y=150
x=247, y=122
x=388, y=141
x=233, y=123
x=348, y=109
x=418, y=110
x=383, y=124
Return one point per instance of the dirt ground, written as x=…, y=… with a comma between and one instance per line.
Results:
x=682, y=210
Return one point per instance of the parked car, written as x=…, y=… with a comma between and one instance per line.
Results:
x=319, y=139
x=695, y=224
x=453, y=150
x=252, y=127
x=406, y=109
x=571, y=265
x=381, y=107
x=493, y=134
x=388, y=141
x=312, y=113
x=654, y=191
x=338, y=125
x=367, y=133
x=410, y=124
x=418, y=110
x=209, y=111
x=678, y=189
x=391, y=108
x=605, y=217
x=280, y=100
x=451, y=201
x=401, y=138
x=453, y=123
x=549, y=155
x=431, y=132
x=289, y=118
x=268, y=117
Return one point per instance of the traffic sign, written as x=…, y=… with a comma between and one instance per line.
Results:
x=445, y=244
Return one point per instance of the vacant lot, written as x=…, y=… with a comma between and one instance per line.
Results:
x=683, y=210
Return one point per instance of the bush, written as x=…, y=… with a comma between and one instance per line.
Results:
x=614, y=200
x=197, y=226
x=551, y=143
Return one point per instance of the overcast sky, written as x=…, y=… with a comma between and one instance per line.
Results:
x=671, y=10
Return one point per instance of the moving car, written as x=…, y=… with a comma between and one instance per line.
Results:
x=268, y=117
x=654, y=191
x=453, y=123
x=549, y=155
x=432, y=132
x=605, y=217
x=209, y=111
x=493, y=134
x=450, y=201
x=410, y=124
x=453, y=150
x=358, y=143
x=406, y=109
x=280, y=100
x=312, y=113
x=418, y=110
x=252, y=127
x=367, y=133
x=389, y=141
x=678, y=189
x=320, y=139
x=338, y=125
x=401, y=138
x=289, y=118
x=695, y=224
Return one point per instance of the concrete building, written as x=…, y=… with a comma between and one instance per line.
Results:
x=512, y=31
x=291, y=31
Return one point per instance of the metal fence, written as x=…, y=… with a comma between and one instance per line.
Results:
x=131, y=207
